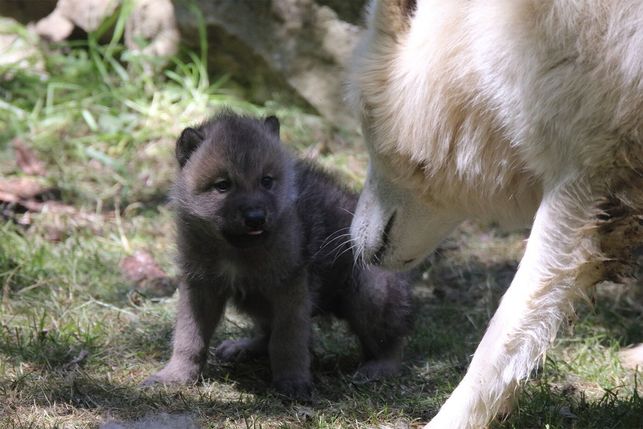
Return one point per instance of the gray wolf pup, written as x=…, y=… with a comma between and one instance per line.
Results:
x=269, y=234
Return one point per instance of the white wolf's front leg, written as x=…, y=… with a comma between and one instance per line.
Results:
x=540, y=296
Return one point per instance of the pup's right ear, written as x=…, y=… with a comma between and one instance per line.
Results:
x=188, y=141
x=273, y=124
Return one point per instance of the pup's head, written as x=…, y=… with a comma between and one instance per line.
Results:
x=235, y=180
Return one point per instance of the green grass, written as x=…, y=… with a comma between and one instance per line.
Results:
x=74, y=344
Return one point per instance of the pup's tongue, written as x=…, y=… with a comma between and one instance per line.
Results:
x=260, y=231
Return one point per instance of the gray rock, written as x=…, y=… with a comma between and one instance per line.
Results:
x=150, y=28
x=150, y=21
x=348, y=10
x=87, y=14
x=25, y=11
x=18, y=51
x=270, y=46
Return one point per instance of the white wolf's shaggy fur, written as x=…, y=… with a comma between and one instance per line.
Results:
x=520, y=111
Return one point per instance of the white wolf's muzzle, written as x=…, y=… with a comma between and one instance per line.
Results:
x=393, y=227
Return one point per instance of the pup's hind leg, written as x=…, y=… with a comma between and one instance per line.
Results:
x=245, y=348
x=378, y=310
x=557, y=264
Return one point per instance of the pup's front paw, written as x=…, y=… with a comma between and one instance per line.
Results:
x=296, y=389
x=174, y=373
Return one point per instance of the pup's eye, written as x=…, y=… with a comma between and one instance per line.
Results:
x=267, y=182
x=222, y=185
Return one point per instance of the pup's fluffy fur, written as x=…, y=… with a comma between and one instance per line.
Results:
x=519, y=111
x=270, y=234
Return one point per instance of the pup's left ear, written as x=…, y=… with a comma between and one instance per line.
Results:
x=273, y=124
x=188, y=141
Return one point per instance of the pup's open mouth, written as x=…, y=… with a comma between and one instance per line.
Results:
x=249, y=238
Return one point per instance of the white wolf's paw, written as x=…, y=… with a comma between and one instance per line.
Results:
x=459, y=411
x=447, y=421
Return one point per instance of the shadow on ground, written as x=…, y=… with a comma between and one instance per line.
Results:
x=454, y=300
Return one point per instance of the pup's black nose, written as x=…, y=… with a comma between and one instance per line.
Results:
x=254, y=218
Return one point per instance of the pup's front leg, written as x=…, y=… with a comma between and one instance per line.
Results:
x=289, y=340
x=199, y=311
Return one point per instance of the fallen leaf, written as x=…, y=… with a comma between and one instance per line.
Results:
x=54, y=234
x=140, y=266
x=20, y=188
x=19, y=197
x=150, y=280
x=158, y=287
x=27, y=159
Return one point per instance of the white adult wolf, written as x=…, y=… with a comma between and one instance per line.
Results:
x=519, y=111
